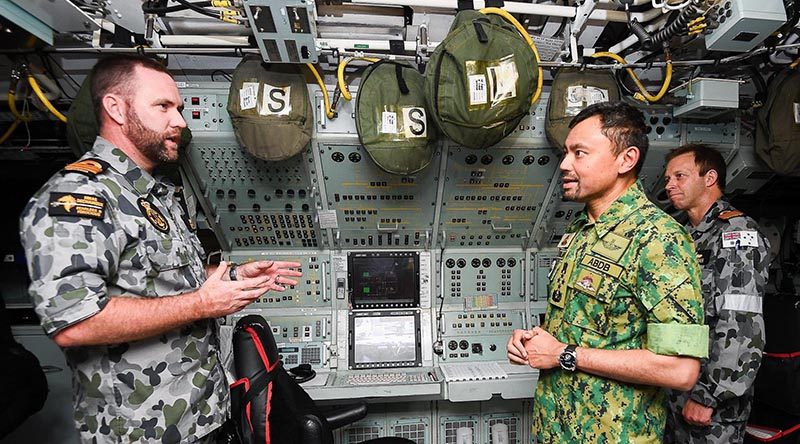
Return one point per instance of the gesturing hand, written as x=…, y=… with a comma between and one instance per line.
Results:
x=222, y=297
x=276, y=273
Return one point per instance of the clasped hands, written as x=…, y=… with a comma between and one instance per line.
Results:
x=535, y=347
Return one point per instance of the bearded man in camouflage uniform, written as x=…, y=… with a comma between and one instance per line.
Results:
x=624, y=315
x=734, y=259
x=117, y=273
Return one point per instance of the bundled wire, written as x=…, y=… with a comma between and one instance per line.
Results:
x=643, y=94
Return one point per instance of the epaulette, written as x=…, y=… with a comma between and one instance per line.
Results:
x=729, y=214
x=90, y=167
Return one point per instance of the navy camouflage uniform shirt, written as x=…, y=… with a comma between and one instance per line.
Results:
x=102, y=228
x=734, y=259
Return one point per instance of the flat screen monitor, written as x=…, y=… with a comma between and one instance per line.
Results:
x=385, y=339
x=385, y=279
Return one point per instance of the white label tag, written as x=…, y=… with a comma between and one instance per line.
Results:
x=276, y=101
x=414, y=122
x=797, y=113
x=579, y=97
x=248, y=95
x=503, y=80
x=328, y=219
x=389, y=122
x=737, y=239
x=477, y=89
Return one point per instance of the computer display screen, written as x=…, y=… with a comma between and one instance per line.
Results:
x=384, y=339
x=384, y=280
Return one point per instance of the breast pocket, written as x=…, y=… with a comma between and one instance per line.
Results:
x=589, y=304
x=166, y=254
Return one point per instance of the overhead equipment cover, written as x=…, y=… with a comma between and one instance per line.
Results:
x=480, y=80
x=269, y=109
x=572, y=91
x=392, y=121
x=778, y=124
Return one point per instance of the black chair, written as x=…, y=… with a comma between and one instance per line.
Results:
x=267, y=401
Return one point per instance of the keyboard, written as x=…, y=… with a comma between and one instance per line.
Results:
x=385, y=378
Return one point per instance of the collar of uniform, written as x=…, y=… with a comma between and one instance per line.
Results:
x=140, y=180
x=712, y=214
x=620, y=209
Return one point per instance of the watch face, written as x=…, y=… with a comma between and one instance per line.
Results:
x=567, y=361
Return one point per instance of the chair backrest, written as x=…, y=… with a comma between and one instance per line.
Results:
x=267, y=403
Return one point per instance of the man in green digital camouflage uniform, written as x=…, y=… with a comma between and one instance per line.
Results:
x=118, y=278
x=734, y=260
x=624, y=311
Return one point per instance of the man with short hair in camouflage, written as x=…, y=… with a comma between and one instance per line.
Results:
x=624, y=313
x=734, y=259
x=117, y=274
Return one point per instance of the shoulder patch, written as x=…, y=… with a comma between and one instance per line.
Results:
x=77, y=205
x=89, y=167
x=729, y=214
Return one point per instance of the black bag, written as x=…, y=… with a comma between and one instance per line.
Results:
x=266, y=402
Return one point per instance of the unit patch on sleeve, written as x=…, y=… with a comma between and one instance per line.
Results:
x=153, y=214
x=89, y=167
x=78, y=205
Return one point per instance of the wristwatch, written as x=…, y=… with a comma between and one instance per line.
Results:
x=569, y=358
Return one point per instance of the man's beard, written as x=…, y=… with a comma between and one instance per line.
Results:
x=149, y=142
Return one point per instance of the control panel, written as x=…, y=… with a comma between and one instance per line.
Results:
x=482, y=280
x=480, y=335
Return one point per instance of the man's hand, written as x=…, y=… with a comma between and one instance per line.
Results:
x=220, y=297
x=275, y=272
x=543, y=349
x=516, y=346
x=697, y=414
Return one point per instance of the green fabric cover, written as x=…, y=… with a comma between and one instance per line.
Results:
x=269, y=109
x=394, y=126
x=572, y=91
x=778, y=124
x=480, y=80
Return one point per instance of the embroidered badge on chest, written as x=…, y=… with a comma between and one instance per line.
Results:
x=611, y=246
x=588, y=282
x=153, y=214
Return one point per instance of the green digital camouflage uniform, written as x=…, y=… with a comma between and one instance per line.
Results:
x=104, y=227
x=629, y=280
x=734, y=260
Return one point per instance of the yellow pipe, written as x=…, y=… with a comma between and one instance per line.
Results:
x=503, y=13
x=340, y=74
x=321, y=83
x=9, y=131
x=35, y=86
x=643, y=93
